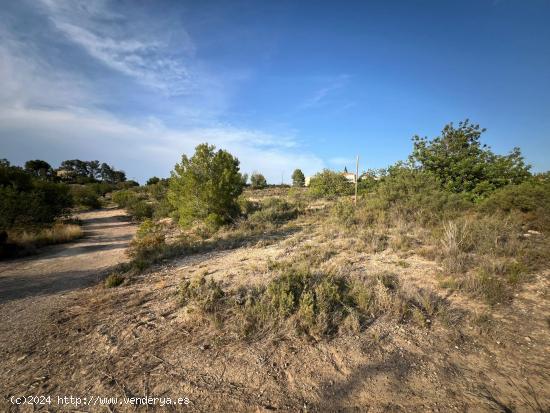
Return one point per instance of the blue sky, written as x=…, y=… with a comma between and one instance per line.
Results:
x=281, y=84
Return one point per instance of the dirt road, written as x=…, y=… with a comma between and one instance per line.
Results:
x=31, y=288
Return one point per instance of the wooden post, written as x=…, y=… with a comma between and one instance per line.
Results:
x=356, y=178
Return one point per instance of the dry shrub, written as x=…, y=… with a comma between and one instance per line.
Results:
x=57, y=234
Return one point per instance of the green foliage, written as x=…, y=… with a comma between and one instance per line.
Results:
x=528, y=196
x=114, y=280
x=39, y=169
x=463, y=164
x=298, y=178
x=273, y=211
x=148, y=245
x=205, y=294
x=85, y=196
x=26, y=201
x=152, y=180
x=206, y=186
x=257, y=181
x=124, y=198
x=414, y=194
x=329, y=184
x=140, y=210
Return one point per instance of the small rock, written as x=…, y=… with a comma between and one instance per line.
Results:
x=528, y=339
x=204, y=346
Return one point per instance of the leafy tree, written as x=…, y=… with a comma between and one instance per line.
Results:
x=152, y=180
x=27, y=201
x=329, y=183
x=257, y=181
x=463, y=164
x=298, y=178
x=206, y=186
x=39, y=168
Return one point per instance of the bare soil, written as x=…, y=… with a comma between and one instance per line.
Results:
x=135, y=340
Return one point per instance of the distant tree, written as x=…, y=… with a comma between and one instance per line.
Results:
x=25, y=200
x=257, y=180
x=298, y=178
x=345, y=169
x=463, y=164
x=329, y=184
x=153, y=180
x=109, y=174
x=94, y=169
x=39, y=169
x=205, y=187
x=245, y=178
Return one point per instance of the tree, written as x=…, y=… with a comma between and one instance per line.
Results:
x=153, y=180
x=329, y=183
x=257, y=181
x=298, y=178
x=205, y=187
x=39, y=169
x=463, y=164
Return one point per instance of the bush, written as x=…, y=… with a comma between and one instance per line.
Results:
x=85, y=196
x=124, y=198
x=206, y=187
x=140, y=210
x=274, y=211
x=329, y=184
x=413, y=195
x=463, y=164
x=114, y=280
x=257, y=181
x=526, y=197
x=298, y=178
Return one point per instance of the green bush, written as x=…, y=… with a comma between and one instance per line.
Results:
x=257, y=181
x=124, y=198
x=85, y=196
x=414, y=194
x=463, y=164
x=140, y=209
x=329, y=184
x=274, y=211
x=298, y=178
x=526, y=197
x=206, y=186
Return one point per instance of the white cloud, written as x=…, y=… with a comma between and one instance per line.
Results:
x=319, y=97
x=132, y=46
x=147, y=148
x=56, y=113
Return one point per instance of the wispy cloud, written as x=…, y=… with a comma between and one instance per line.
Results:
x=320, y=96
x=53, y=111
x=131, y=46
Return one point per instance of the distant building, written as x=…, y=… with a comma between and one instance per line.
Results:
x=350, y=177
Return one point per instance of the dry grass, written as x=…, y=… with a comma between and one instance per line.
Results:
x=57, y=234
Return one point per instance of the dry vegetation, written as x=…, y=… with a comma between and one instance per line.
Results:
x=416, y=299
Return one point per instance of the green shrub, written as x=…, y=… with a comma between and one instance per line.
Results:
x=274, y=211
x=298, y=178
x=140, y=210
x=114, y=280
x=329, y=184
x=257, y=181
x=528, y=196
x=205, y=294
x=85, y=196
x=148, y=245
x=207, y=185
x=124, y=198
x=463, y=164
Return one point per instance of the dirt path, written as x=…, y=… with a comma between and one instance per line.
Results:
x=31, y=288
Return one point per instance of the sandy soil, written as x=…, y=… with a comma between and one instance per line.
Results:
x=34, y=287
x=135, y=340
